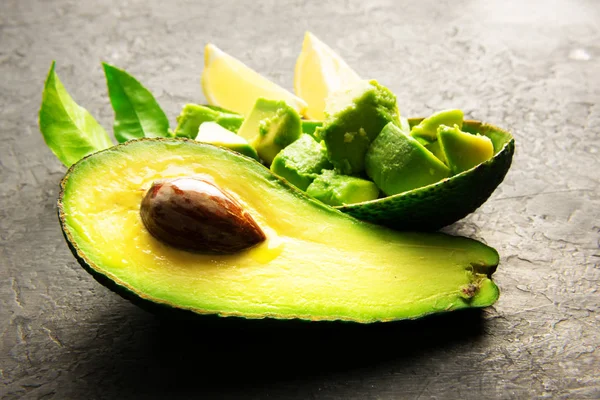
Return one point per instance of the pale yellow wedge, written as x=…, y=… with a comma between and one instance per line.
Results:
x=319, y=71
x=229, y=83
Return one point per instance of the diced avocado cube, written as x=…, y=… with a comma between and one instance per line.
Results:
x=192, y=115
x=271, y=126
x=396, y=162
x=427, y=129
x=190, y=119
x=309, y=127
x=463, y=150
x=227, y=119
x=276, y=133
x=262, y=109
x=337, y=190
x=213, y=133
x=231, y=122
x=300, y=162
x=436, y=149
x=354, y=118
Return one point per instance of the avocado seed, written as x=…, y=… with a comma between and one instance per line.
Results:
x=193, y=214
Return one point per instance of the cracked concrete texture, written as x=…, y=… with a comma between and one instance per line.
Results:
x=532, y=68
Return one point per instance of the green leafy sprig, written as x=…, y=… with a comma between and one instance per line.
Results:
x=72, y=133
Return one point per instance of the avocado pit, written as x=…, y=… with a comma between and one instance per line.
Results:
x=193, y=214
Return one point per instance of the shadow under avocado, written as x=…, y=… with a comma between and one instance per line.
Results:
x=212, y=353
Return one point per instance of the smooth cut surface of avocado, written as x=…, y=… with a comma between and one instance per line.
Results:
x=193, y=115
x=315, y=264
x=336, y=190
x=354, y=118
x=301, y=162
x=427, y=128
x=270, y=127
x=443, y=203
x=213, y=133
x=463, y=150
x=396, y=162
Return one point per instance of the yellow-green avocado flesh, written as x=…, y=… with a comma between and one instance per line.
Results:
x=316, y=264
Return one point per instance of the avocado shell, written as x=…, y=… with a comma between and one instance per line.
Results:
x=440, y=204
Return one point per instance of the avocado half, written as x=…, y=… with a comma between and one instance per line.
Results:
x=316, y=264
x=434, y=206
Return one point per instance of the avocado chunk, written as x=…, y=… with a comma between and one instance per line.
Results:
x=213, y=133
x=436, y=149
x=316, y=263
x=271, y=126
x=354, y=118
x=301, y=162
x=310, y=126
x=337, y=190
x=397, y=162
x=427, y=129
x=193, y=115
x=231, y=122
x=463, y=150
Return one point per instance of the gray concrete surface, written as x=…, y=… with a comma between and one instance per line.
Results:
x=533, y=68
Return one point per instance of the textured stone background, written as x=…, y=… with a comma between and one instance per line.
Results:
x=533, y=68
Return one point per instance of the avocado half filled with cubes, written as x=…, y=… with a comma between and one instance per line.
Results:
x=366, y=160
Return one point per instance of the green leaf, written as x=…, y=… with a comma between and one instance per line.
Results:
x=137, y=114
x=68, y=129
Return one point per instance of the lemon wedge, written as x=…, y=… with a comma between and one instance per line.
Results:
x=319, y=71
x=229, y=83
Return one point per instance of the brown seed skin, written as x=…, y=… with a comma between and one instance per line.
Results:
x=193, y=214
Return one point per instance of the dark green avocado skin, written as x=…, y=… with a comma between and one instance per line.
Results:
x=435, y=206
